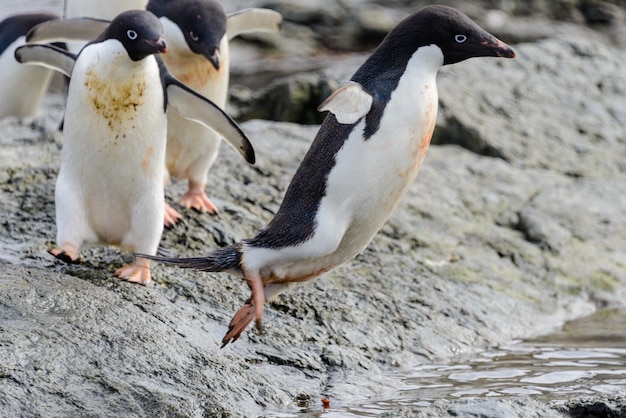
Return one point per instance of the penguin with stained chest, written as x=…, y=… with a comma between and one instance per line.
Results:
x=110, y=183
x=197, y=33
x=21, y=89
x=364, y=158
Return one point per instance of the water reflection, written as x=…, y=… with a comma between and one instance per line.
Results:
x=588, y=356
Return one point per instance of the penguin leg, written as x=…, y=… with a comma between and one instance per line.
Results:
x=136, y=272
x=172, y=217
x=67, y=253
x=252, y=308
x=195, y=198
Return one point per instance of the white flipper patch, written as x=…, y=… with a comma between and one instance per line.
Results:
x=46, y=56
x=349, y=103
x=253, y=20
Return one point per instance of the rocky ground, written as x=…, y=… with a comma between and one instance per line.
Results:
x=515, y=224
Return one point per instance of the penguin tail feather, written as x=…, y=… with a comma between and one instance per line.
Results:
x=224, y=259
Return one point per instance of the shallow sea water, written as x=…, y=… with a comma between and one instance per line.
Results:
x=587, y=357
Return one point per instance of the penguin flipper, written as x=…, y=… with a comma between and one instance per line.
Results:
x=48, y=56
x=198, y=108
x=63, y=30
x=348, y=103
x=252, y=20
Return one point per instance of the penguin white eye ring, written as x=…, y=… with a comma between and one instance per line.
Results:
x=460, y=38
x=132, y=35
x=194, y=36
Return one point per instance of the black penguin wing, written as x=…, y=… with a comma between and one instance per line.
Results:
x=13, y=27
x=77, y=29
x=252, y=20
x=48, y=56
x=198, y=108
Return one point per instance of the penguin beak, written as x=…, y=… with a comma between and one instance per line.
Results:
x=159, y=45
x=214, y=58
x=499, y=48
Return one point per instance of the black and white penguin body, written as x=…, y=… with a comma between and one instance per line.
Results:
x=110, y=183
x=21, y=89
x=363, y=160
x=199, y=57
x=197, y=32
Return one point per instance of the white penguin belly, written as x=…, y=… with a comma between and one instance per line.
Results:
x=22, y=87
x=110, y=185
x=365, y=185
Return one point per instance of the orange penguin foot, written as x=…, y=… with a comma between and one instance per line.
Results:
x=238, y=324
x=136, y=272
x=196, y=199
x=172, y=217
x=67, y=253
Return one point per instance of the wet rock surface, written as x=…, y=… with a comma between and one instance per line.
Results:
x=515, y=224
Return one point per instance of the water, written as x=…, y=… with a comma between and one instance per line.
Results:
x=586, y=358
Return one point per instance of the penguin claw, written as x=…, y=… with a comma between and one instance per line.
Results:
x=238, y=324
x=172, y=217
x=137, y=272
x=196, y=199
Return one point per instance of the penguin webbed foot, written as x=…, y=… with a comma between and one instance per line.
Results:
x=239, y=323
x=67, y=254
x=195, y=198
x=172, y=217
x=252, y=309
x=136, y=272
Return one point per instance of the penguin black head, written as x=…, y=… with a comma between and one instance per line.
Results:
x=458, y=37
x=139, y=31
x=202, y=22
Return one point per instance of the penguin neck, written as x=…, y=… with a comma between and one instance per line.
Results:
x=114, y=63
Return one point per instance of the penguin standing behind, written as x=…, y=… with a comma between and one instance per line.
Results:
x=197, y=33
x=364, y=158
x=110, y=183
x=21, y=89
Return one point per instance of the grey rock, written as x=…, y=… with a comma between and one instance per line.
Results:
x=486, y=248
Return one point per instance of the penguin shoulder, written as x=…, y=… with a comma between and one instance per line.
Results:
x=348, y=103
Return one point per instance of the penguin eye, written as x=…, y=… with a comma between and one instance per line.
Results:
x=194, y=36
x=132, y=35
x=460, y=38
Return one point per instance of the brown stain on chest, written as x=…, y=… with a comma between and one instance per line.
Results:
x=421, y=142
x=194, y=70
x=116, y=101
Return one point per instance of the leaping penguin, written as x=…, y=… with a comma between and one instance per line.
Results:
x=110, y=183
x=364, y=158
